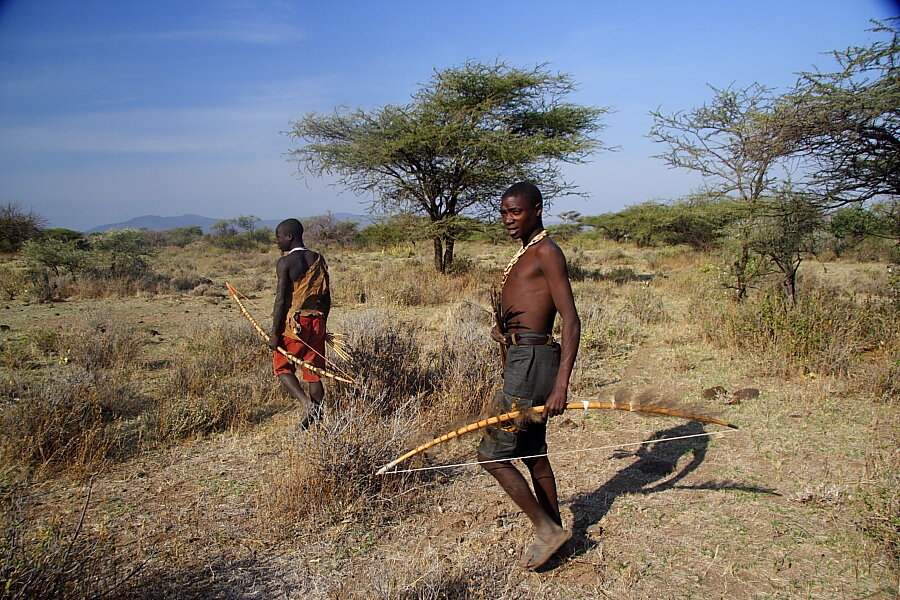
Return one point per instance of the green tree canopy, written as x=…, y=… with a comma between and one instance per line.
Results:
x=844, y=126
x=469, y=133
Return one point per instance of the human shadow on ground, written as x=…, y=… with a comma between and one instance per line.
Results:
x=654, y=471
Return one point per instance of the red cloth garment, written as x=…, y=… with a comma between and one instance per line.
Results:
x=310, y=348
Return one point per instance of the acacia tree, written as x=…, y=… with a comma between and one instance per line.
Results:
x=844, y=126
x=466, y=136
x=787, y=234
x=733, y=143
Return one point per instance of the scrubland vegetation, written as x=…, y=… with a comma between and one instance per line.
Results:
x=148, y=452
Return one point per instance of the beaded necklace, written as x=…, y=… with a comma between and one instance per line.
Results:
x=519, y=254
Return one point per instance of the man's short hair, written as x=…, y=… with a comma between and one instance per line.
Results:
x=291, y=226
x=524, y=189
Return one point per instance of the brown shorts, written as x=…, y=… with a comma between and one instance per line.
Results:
x=311, y=349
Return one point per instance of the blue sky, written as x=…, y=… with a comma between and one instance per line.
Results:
x=115, y=109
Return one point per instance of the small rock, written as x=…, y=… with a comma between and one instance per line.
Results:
x=568, y=423
x=714, y=392
x=746, y=394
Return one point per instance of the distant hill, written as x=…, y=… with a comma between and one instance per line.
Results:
x=156, y=223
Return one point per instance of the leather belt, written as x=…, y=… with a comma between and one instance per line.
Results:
x=528, y=339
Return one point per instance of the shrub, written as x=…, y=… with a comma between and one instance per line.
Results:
x=17, y=226
x=464, y=372
x=389, y=353
x=879, y=502
x=63, y=423
x=331, y=475
x=12, y=282
x=644, y=304
x=99, y=344
x=823, y=333
x=225, y=382
x=42, y=558
x=606, y=332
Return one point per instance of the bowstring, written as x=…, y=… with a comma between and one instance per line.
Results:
x=561, y=452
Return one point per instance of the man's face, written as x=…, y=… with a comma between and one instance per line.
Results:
x=283, y=240
x=519, y=216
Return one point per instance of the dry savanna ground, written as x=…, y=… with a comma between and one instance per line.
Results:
x=149, y=453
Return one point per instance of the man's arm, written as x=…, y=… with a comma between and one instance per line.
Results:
x=326, y=308
x=283, y=292
x=553, y=265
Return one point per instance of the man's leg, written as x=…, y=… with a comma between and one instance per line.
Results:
x=544, y=483
x=514, y=484
x=317, y=391
x=292, y=384
x=549, y=534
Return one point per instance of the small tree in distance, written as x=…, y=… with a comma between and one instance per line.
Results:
x=467, y=135
x=17, y=225
x=733, y=143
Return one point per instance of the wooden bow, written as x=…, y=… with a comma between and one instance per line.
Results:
x=600, y=405
x=288, y=355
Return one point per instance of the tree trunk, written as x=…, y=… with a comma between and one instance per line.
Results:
x=740, y=270
x=448, y=255
x=438, y=255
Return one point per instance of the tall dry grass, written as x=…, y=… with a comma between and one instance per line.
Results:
x=824, y=333
x=48, y=558
x=222, y=381
x=70, y=418
x=411, y=388
x=426, y=364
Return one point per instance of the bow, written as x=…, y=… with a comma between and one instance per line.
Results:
x=290, y=357
x=600, y=405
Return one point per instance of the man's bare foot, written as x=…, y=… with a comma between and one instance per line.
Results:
x=543, y=549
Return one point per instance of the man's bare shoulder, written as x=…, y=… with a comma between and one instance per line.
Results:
x=549, y=250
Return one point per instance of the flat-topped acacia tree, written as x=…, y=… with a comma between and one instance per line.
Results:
x=467, y=134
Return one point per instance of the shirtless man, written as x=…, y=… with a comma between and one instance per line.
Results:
x=536, y=287
x=302, y=304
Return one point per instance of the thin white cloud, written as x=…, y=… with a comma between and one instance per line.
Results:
x=253, y=122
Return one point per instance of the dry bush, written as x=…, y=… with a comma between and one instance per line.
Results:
x=646, y=305
x=44, y=286
x=825, y=333
x=224, y=381
x=46, y=560
x=884, y=375
x=332, y=470
x=388, y=352
x=229, y=405
x=331, y=479
x=100, y=344
x=606, y=331
x=93, y=345
x=878, y=497
x=69, y=421
x=464, y=371
x=12, y=282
